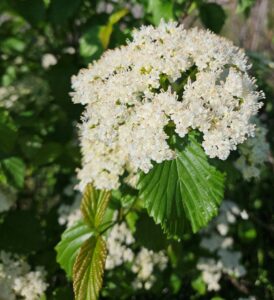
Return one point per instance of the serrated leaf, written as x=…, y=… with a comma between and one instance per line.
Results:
x=14, y=169
x=88, y=269
x=184, y=192
x=70, y=244
x=213, y=16
x=93, y=206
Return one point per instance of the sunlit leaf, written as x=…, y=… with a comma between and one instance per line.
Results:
x=94, y=205
x=184, y=192
x=88, y=269
x=106, y=31
x=69, y=246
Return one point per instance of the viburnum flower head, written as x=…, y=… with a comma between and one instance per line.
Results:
x=164, y=77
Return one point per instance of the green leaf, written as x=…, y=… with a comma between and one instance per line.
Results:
x=13, y=44
x=61, y=10
x=8, y=136
x=213, y=16
x=199, y=285
x=149, y=234
x=94, y=205
x=14, y=169
x=106, y=31
x=21, y=232
x=70, y=244
x=62, y=293
x=183, y=192
x=47, y=154
x=161, y=9
x=88, y=269
x=90, y=45
x=31, y=10
x=244, y=6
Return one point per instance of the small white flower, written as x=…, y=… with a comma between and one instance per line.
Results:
x=18, y=280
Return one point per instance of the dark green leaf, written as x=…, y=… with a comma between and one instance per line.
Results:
x=31, y=10
x=21, y=233
x=62, y=293
x=88, y=269
x=61, y=10
x=14, y=169
x=69, y=246
x=47, y=154
x=7, y=137
x=149, y=234
x=183, y=192
x=213, y=16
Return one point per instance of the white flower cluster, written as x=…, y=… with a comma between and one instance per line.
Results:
x=7, y=198
x=69, y=214
x=144, y=265
x=128, y=105
x=254, y=154
x=219, y=243
x=30, y=89
x=118, y=242
x=18, y=281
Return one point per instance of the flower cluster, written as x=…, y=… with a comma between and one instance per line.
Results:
x=254, y=154
x=119, y=252
x=69, y=214
x=17, y=279
x=29, y=90
x=165, y=76
x=144, y=265
x=217, y=241
x=7, y=198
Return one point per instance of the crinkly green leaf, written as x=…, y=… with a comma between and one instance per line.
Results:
x=184, y=192
x=70, y=244
x=94, y=205
x=88, y=269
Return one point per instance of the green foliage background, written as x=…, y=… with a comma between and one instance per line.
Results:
x=39, y=151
